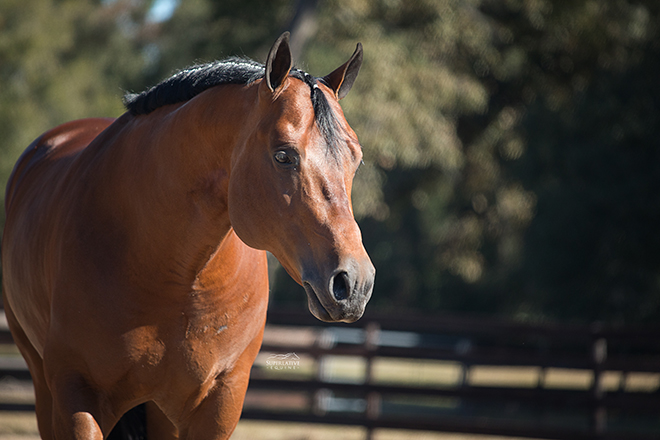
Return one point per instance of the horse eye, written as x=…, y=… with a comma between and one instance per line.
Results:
x=284, y=158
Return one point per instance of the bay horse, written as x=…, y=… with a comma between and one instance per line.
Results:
x=134, y=250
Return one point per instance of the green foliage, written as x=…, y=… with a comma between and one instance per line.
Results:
x=203, y=30
x=59, y=60
x=511, y=153
x=598, y=200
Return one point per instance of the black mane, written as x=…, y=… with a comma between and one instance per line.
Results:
x=192, y=81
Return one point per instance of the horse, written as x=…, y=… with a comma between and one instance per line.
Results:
x=135, y=249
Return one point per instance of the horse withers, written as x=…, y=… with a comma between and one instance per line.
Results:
x=134, y=263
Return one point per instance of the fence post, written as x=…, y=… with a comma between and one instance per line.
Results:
x=598, y=356
x=371, y=340
x=324, y=341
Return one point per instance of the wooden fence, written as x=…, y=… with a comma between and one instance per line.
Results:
x=608, y=386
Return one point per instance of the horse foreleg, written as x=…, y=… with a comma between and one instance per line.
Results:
x=43, y=398
x=217, y=415
x=77, y=409
x=43, y=405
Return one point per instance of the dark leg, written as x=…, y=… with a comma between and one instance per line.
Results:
x=43, y=398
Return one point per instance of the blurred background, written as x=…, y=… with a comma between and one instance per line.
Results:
x=512, y=173
x=511, y=146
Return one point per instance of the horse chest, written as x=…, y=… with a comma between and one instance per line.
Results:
x=187, y=358
x=227, y=314
x=209, y=342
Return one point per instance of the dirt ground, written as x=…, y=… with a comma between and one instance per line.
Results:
x=23, y=426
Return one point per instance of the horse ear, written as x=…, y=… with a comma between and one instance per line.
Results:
x=342, y=79
x=279, y=62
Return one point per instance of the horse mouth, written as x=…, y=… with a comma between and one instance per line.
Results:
x=325, y=314
x=315, y=306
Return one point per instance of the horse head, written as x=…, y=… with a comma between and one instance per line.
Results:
x=290, y=184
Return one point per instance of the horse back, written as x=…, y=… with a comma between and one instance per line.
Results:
x=62, y=141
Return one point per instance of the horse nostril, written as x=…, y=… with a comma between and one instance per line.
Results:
x=340, y=286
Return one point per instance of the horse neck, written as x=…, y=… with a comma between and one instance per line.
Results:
x=166, y=182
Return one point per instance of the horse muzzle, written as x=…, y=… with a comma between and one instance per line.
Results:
x=342, y=295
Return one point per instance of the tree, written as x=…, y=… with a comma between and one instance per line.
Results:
x=60, y=61
x=510, y=146
x=488, y=127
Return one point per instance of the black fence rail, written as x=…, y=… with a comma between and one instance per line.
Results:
x=618, y=394
x=560, y=382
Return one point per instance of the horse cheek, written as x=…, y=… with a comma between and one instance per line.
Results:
x=246, y=208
